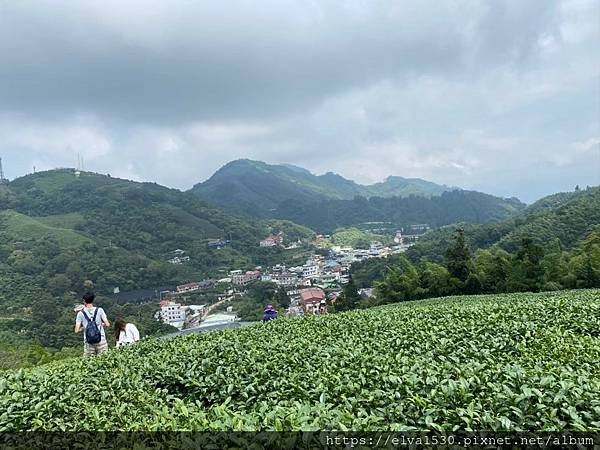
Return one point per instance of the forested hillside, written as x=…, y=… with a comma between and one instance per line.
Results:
x=328, y=202
x=59, y=230
x=397, y=212
x=257, y=188
x=100, y=227
x=561, y=219
x=553, y=245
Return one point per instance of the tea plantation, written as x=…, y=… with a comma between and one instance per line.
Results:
x=507, y=362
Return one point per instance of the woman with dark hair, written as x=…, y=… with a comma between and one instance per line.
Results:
x=125, y=333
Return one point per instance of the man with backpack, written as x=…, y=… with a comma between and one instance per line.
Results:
x=92, y=321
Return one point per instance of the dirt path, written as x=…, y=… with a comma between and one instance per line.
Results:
x=212, y=307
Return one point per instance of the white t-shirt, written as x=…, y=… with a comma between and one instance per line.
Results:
x=128, y=336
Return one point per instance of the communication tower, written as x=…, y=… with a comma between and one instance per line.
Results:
x=2, y=179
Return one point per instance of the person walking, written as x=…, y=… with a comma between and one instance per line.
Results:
x=92, y=321
x=270, y=313
x=125, y=333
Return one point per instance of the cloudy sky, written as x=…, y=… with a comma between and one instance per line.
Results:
x=499, y=96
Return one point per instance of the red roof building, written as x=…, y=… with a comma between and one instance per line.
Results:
x=313, y=301
x=191, y=287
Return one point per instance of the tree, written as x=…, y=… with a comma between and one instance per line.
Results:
x=435, y=280
x=366, y=272
x=473, y=284
x=59, y=284
x=585, y=268
x=24, y=262
x=349, y=299
x=281, y=298
x=401, y=283
x=555, y=269
x=458, y=257
x=498, y=277
x=528, y=272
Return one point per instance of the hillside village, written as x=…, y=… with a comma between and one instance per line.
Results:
x=311, y=287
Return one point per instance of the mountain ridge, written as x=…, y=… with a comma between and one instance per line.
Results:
x=563, y=219
x=256, y=188
x=329, y=201
x=62, y=229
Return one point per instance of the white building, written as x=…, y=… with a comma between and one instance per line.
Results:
x=242, y=279
x=284, y=279
x=197, y=309
x=310, y=271
x=172, y=313
x=178, y=260
x=218, y=319
x=398, y=238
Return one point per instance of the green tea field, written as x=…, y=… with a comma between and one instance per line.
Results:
x=502, y=362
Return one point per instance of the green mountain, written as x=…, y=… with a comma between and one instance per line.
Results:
x=258, y=188
x=563, y=219
x=58, y=230
x=330, y=201
x=398, y=212
x=95, y=213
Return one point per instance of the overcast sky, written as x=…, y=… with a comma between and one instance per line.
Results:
x=498, y=96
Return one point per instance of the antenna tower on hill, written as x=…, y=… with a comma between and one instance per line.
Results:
x=2, y=179
x=79, y=165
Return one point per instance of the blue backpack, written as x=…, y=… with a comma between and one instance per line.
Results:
x=93, y=335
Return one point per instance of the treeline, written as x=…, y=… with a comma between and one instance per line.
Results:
x=251, y=305
x=532, y=268
x=447, y=208
x=568, y=217
x=14, y=356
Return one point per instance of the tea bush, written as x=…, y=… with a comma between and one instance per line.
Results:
x=503, y=362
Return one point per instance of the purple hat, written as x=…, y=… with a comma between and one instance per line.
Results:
x=269, y=308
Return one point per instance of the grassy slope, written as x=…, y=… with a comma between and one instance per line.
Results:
x=507, y=362
x=57, y=230
x=70, y=221
x=567, y=217
x=21, y=227
x=345, y=237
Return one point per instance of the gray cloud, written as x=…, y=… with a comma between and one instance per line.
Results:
x=463, y=92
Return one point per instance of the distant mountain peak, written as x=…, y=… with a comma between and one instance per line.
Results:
x=257, y=188
x=297, y=168
x=395, y=178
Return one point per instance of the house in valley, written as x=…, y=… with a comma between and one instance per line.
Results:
x=272, y=241
x=313, y=301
